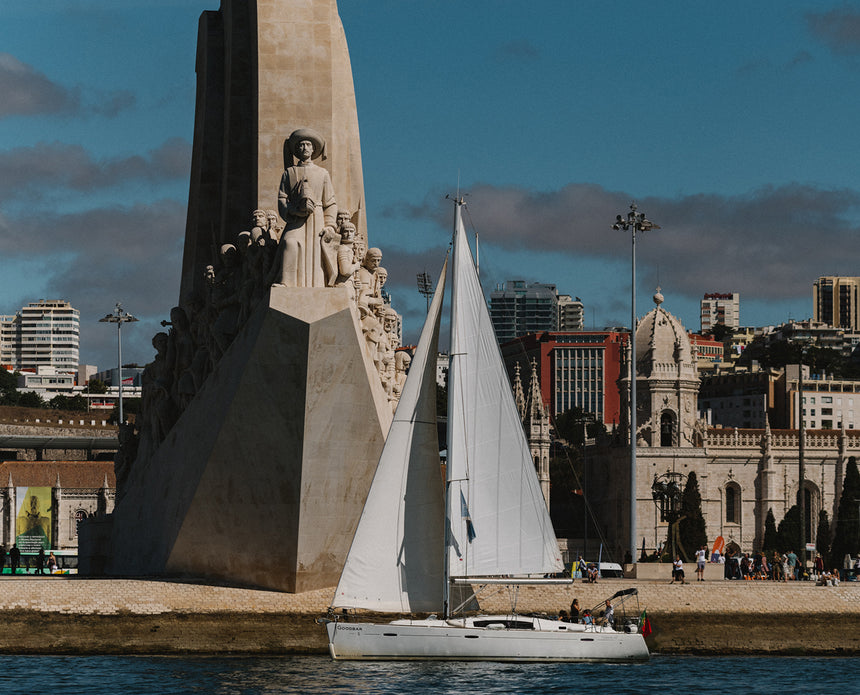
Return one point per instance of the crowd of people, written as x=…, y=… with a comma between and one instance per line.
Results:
x=780, y=567
x=16, y=560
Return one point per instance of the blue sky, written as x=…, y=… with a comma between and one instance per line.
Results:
x=733, y=126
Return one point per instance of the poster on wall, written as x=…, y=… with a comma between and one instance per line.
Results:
x=33, y=520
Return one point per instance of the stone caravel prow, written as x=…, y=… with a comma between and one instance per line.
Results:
x=263, y=478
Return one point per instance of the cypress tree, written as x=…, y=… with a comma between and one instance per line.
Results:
x=691, y=530
x=770, y=541
x=788, y=533
x=846, y=540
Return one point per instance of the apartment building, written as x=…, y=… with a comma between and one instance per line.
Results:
x=517, y=308
x=42, y=334
x=570, y=313
x=835, y=301
x=720, y=307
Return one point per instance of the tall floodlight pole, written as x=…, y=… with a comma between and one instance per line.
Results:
x=425, y=287
x=633, y=222
x=119, y=317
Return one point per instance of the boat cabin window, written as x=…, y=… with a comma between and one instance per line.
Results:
x=510, y=624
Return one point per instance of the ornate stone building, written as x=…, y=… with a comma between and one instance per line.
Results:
x=66, y=492
x=535, y=418
x=741, y=473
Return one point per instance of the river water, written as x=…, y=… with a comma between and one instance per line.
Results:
x=665, y=675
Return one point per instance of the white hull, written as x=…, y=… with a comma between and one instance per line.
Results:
x=448, y=640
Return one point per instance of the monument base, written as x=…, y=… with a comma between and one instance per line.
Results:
x=262, y=479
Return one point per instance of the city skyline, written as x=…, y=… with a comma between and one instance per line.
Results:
x=728, y=126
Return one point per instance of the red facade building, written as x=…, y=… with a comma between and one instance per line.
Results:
x=576, y=368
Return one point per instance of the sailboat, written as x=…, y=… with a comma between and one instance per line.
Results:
x=421, y=541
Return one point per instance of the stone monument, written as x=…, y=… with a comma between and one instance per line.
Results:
x=267, y=404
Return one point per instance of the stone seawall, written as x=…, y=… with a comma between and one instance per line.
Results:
x=123, y=616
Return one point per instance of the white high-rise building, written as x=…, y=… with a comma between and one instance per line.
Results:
x=42, y=334
x=721, y=307
x=570, y=313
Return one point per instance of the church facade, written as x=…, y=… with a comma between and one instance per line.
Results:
x=742, y=473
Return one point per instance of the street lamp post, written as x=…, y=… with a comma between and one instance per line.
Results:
x=119, y=317
x=634, y=222
x=801, y=464
x=666, y=491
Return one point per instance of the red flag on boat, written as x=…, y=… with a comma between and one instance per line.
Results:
x=646, y=624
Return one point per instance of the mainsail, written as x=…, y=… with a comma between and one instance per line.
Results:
x=395, y=563
x=498, y=520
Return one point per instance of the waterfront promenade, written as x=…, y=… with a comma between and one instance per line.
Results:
x=69, y=614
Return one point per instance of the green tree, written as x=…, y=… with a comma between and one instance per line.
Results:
x=778, y=354
x=96, y=386
x=846, y=540
x=63, y=402
x=130, y=406
x=59, y=402
x=441, y=400
x=788, y=532
x=31, y=399
x=78, y=403
x=770, y=542
x=9, y=388
x=572, y=426
x=720, y=330
x=822, y=534
x=691, y=529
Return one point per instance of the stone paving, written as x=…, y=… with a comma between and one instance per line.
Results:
x=86, y=596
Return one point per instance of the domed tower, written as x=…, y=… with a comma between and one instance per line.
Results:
x=667, y=382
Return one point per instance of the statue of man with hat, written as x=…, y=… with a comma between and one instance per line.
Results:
x=306, y=202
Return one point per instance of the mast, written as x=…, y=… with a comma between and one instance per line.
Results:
x=446, y=568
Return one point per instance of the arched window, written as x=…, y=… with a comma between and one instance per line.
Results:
x=667, y=429
x=733, y=503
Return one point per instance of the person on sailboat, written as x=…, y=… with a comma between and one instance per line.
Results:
x=574, y=611
x=609, y=614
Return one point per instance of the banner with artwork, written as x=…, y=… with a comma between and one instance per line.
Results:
x=33, y=519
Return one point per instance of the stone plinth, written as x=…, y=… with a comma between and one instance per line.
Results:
x=262, y=479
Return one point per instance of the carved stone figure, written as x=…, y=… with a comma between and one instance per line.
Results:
x=371, y=328
x=225, y=301
x=386, y=347
x=329, y=242
x=125, y=456
x=260, y=229
x=380, y=277
x=366, y=281
x=402, y=360
x=157, y=407
x=346, y=264
x=306, y=202
x=180, y=355
x=272, y=225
